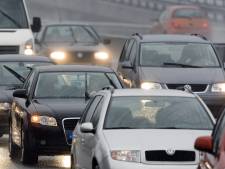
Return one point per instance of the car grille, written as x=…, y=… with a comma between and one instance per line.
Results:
x=176, y=156
x=9, y=49
x=82, y=57
x=194, y=87
x=69, y=125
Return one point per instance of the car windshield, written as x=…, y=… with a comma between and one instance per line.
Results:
x=157, y=113
x=12, y=14
x=73, y=84
x=22, y=68
x=189, y=13
x=69, y=34
x=178, y=55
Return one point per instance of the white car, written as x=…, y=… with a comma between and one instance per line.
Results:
x=140, y=129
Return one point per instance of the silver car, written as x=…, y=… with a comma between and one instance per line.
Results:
x=140, y=129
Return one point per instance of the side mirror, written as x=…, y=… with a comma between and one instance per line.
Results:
x=127, y=65
x=20, y=93
x=36, y=25
x=106, y=41
x=87, y=128
x=204, y=144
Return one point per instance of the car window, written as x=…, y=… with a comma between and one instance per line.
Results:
x=124, y=51
x=91, y=109
x=157, y=112
x=133, y=52
x=189, y=13
x=128, y=51
x=97, y=113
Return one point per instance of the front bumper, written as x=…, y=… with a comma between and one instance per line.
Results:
x=4, y=122
x=113, y=164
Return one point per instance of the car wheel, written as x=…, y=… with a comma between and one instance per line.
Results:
x=13, y=149
x=28, y=155
x=72, y=163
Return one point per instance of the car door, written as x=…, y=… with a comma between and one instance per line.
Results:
x=80, y=150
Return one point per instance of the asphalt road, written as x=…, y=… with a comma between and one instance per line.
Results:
x=57, y=162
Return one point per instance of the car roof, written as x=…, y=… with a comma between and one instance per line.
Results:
x=173, y=38
x=142, y=92
x=23, y=58
x=64, y=68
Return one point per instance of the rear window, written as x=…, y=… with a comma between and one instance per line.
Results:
x=189, y=13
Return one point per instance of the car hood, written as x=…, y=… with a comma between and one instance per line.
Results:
x=153, y=139
x=182, y=75
x=60, y=108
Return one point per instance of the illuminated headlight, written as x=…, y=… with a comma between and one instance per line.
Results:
x=129, y=156
x=5, y=106
x=150, y=85
x=44, y=120
x=57, y=55
x=219, y=87
x=101, y=56
x=28, y=48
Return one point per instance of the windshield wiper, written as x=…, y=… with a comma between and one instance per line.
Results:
x=180, y=65
x=17, y=75
x=168, y=128
x=10, y=18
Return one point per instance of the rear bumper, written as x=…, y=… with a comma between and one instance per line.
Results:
x=4, y=122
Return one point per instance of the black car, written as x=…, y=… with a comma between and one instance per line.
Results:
x=172, y=62
x=45, y=112
x=8, y=82
x=68, y=43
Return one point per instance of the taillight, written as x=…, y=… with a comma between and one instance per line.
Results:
x=174, y=24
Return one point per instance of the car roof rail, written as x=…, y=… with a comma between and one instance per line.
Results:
x=199, y=35
x=138, y=35
x=110, y=88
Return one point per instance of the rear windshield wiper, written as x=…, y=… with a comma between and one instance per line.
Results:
x=180, y=65
x=17, y=75
x=10, y=18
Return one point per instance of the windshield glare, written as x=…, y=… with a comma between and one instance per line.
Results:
x=193, y=54
x=72, y=84
x=12, y=14
x=157, y=113
x=8, y=79
x=69, y=34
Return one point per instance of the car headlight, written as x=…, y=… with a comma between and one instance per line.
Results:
x=150, y=85
x=218, y=87
x=5, y=106
x=28, y=47
x=101, y=56
x=126, y=155
x=58, y=55
x=44, y=120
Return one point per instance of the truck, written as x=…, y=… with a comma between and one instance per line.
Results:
x=16, y=35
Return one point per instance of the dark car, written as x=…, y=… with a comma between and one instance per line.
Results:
x=73, y=43
x=8, y=82
x=45, y=112
x=213, y=147
x=172, y=62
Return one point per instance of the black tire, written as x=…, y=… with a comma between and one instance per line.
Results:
x=72, y=163
x=28, y=153
x=13, y=148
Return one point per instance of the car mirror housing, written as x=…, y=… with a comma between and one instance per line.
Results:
x=127, y=65
x=204, y=144
x=20, y=93
x=87, y=128
x=36, y=25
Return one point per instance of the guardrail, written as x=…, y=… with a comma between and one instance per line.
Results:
x=214, y=8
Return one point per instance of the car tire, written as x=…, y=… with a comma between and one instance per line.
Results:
x=28, y=154
x=13, y=149
x=72, y=163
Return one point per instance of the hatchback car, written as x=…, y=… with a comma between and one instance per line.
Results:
x=183, y=19
x=68, y=43
x=9, y=82
x=45, y=112
x=173, y=61
x=139, y=129
x=213, y=146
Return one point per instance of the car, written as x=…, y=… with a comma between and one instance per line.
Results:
x=68, y=43
x=183, y=19
x=139, y=129
x=213, y=147
x=10, y=82
x=45, y=112
x=220, y=48
x=172, y=62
